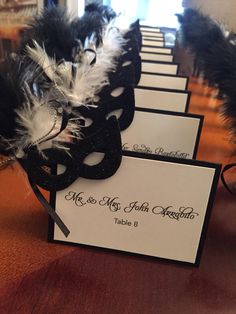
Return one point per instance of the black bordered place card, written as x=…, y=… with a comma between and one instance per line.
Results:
x=152, y=49
x=145, y=28
x=160, y=67
x=155, y=38
x=152, y=206
x=156, y=57
x=154, y=35
x=163, y=133
x=158, y=80
x=153, y=43
x=162, y=99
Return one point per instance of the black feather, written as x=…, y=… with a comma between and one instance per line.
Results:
x=53, y=30
x=215, y=56
x=11, y=97
x=105, y=11
x=90, y=23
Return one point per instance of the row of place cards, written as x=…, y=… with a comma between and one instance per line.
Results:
x=159, y=201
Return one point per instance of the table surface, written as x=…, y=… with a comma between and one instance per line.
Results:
x=41, y=277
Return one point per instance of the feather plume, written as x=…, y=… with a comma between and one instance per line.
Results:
x=106, y=12
x=82, y=88
x=29, y=115
x=52, y=29
x=89, y=79
x=215, y=55
x=40, y=57
x=89, y=24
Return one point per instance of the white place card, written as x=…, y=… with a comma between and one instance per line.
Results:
x=162, y=99
x=153, y=43
x=160, y=67
x=156, y=57
x=163, y=133
x=152, y=206
x=150, y=29
x=152, y=49
x=147, y=37
x=152, y=34
x=163, y=81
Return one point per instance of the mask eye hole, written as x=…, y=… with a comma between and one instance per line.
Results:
x=87, y=122
x=61, y=169
x=126, y=63
x=117, y=113
x=117, y=91
x=94, y=158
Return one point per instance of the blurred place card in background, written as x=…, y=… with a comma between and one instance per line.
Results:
x=154, y=38
x=153, y=43
x=149, y=29
x=162, y=99
x=152, y=206
x=160, y=67
x=155, y=35
x=147, y=56
x=163, y=133
x=163, y=81
x=152, y=49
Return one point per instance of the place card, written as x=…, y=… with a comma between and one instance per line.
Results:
x=163, y=133
x=150, y=29
x=153, y=43
x=162, y=99
x=156, y=57
x=160, y=67
x=163, y=81
x=152, y=34
x=153, y=206
x=153, y=38
x=152, y=49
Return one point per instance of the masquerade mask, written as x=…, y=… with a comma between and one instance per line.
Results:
x=106, y=140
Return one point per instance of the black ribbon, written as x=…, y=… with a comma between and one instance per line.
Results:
x=49, y=209
x=225, y=169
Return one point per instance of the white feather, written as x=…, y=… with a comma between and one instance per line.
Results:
x=89, y=79
x=39, y=55
x=37, y=121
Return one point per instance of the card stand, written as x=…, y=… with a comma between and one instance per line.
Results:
x=163, y=81
x=162, y=99
x=146, y=56
x=168, y=133
x=151, y=49
x=160, y=67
